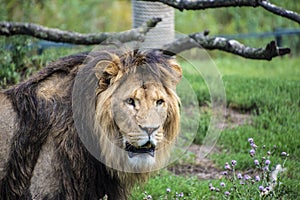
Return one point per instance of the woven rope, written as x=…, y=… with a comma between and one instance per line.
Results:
x=163, y=33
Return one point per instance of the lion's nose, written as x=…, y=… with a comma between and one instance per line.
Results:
x=149, y=130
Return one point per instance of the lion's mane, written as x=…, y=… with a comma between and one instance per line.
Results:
x=45, y=141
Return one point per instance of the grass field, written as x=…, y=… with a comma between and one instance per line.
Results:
x=270, y=93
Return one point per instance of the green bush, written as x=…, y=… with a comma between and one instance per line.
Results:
x=15, y=60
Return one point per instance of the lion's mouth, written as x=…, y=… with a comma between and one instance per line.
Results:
x=147, y=148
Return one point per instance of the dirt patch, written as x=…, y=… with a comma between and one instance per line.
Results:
x=234, y=118
x=204, y=168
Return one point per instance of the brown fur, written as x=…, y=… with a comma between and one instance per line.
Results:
x=42, y=156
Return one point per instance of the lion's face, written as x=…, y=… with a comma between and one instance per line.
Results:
x=144, y=112
x=140, y=111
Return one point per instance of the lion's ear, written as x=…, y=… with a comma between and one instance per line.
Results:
x=177, y=70
x=109, y=66
x=107, y=72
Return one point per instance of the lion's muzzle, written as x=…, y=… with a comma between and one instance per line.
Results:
x=148, y=148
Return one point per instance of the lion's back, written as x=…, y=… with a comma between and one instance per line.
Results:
x=30, y=114
x=8, y=126
x=41, y=155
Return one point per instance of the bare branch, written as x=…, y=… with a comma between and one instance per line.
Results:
x=205, y=4
x=280, y=11
x=56, y=35
x=223, y=44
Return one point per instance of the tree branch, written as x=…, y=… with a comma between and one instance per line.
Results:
x=280, y=11
x=56, y=35
x=223, y=44
x=205, y=4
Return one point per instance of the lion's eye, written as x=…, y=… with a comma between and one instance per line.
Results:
x=130, y=101
x=159, y=102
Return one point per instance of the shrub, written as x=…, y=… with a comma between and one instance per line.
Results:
x=17, y=60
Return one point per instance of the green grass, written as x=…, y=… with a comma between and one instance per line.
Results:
x=190, y=187
x=270, y=91
x=279, y=68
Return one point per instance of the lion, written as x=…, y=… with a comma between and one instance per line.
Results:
x=89, y=125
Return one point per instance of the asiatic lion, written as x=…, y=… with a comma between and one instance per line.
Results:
x=88, y=125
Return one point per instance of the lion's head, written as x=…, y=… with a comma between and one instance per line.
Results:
x=137, y=109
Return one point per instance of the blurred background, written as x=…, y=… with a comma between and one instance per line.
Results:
x=92, y=16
